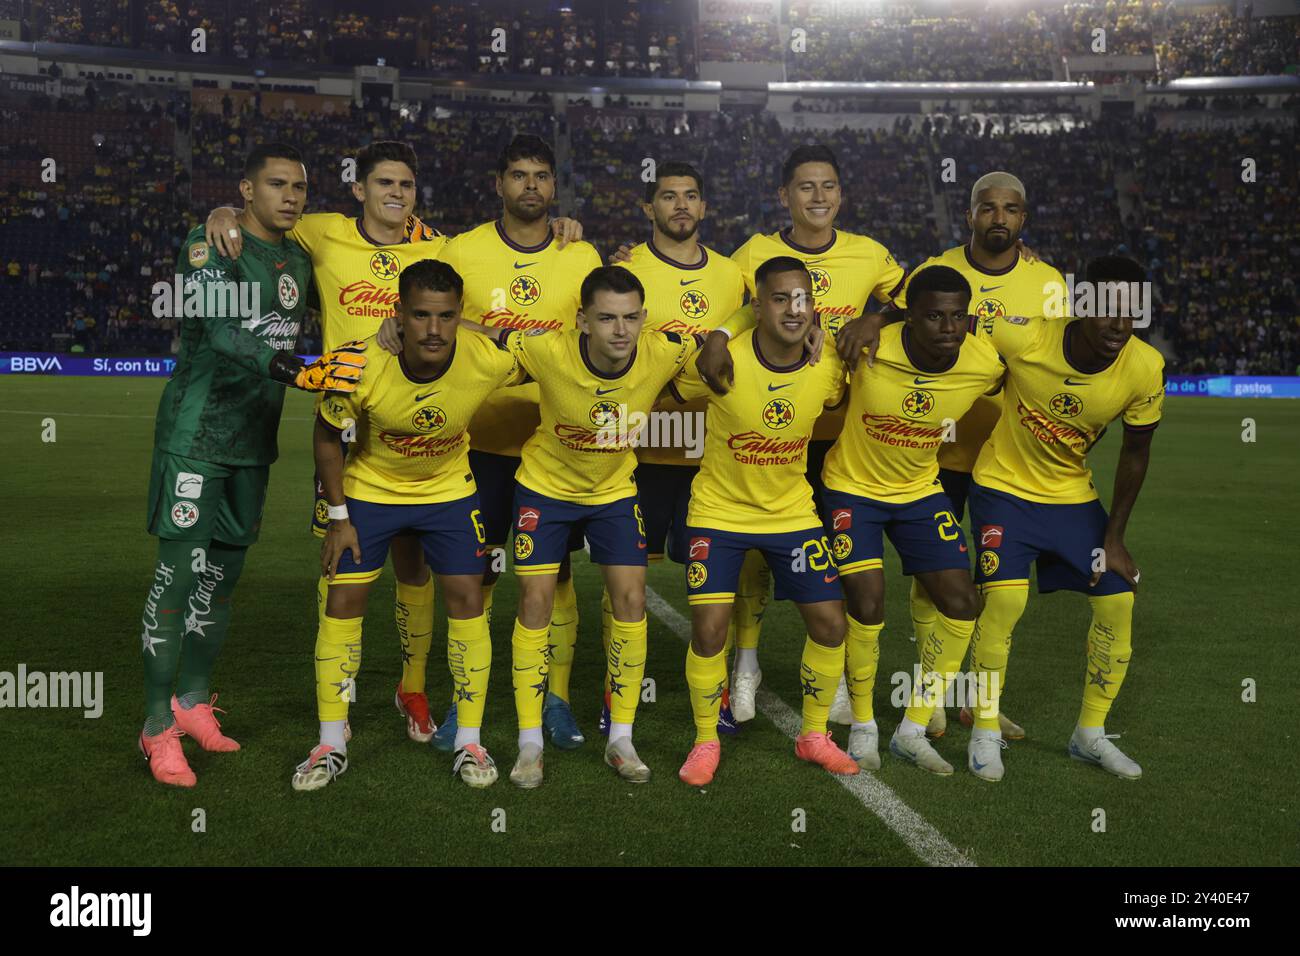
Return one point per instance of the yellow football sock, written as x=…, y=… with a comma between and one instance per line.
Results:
x=338, y=658
x=751, y=599
x=923, y=612
x=626, y=667
x=564, y=635
x=991, y=647
x=862, y=649
x=487, y=601
x=469, y=655
x=1110, y=648
x=706, y=678
x=413, y=611
x=945, y=649
x=819, y=672
x=528, y=650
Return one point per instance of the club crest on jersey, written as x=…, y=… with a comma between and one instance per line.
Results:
x=778, y=413
x=1066, y=405
x=604, y=414
x=696, y=575
x=185, y=514
x=695, y=305
x=821, y=282
x=699, y=550
x=523, y=547
x=525, y=290
x=841, y=519
x=988, y=563
x=528, y=518
x=430, y=418
x=199, y=254
x=287, y=289
x=385, y=265
x=918, y=403
x=991, y=536
x=322, y=511
x=990, y=309
x=841, y=547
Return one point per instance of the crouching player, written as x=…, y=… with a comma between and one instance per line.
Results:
x=408, y=472
x=576, y=473
x=882, y=478
x=752, y=494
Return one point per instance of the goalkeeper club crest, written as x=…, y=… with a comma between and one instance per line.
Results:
x=821, y=282
x=428, y=419
x=778, y=413
x=1066, y=405
x=695, y=305
x=287, y=290
x=696, y=575
x=385, y=265
x=918, y=403
x=604, y=414
x=185, y=514
x=525, y=290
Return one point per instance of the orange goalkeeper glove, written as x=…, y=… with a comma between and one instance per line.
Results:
x=338, y=370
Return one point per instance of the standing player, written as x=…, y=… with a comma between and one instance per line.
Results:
x=753, y=477
x=518, y=277
x=408, y=471
x=847, y=271
x=689, y=290
x=577, y=475
x=1032, y=500
x=882, y=479
x=1003, y=282
x=356, y=262
x=214, y=443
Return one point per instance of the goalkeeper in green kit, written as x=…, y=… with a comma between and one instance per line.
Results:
x=214, y=442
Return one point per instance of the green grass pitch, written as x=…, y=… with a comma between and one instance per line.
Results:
x=1212, y=534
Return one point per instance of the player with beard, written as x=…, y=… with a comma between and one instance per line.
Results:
x=517, y=277
x=1004, y=280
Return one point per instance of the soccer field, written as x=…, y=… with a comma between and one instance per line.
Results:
x=1212, y=534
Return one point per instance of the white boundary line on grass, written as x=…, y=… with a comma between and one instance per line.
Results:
x=23, y=411
x=912, y=828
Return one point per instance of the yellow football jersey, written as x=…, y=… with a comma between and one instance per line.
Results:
x=355, y=276
x=688, y=300
x=845, y=273
x=516, y=287
x=751, y=477
x=1053, y=413
x=1022, y=289
x=898, y=415
x=582, y=452
x=412, y=445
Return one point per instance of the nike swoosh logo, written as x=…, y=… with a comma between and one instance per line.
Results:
x=923, y=381
x=480, y=553
x=420, y=398
x=689, y=281
x=809, y=262
x=990, y=288
x=280, y=265
x=525, y=265
x=534, y=667
x=976, y=765
x=774, y=388
x=830, y=578
x=641, y=545
x=1069, y=381
x=606, y=391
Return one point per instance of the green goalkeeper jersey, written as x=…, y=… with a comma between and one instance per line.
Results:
x=221, y=404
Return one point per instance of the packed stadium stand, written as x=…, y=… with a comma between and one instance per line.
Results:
x=137, y=165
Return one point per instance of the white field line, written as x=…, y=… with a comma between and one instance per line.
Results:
x=924, y=840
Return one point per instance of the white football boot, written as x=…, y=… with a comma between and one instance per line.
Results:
x=1098, y=749
x=744, y=688
x=916, y=749
x=864, y=747
x=984, y=755
x=527, y=771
